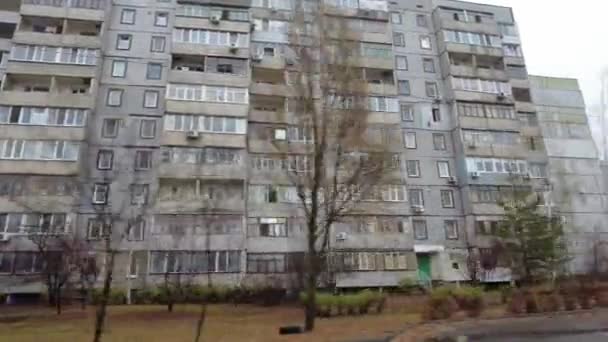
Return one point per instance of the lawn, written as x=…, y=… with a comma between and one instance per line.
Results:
x=224, y=323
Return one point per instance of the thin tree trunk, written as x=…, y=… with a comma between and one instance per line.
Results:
x=311, y=299
x=101, y=310
x=170, y=306
x=201, y=322
x=58, y=300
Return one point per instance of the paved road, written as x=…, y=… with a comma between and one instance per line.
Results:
x=592, y=337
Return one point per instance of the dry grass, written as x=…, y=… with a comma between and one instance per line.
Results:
x=224, y=323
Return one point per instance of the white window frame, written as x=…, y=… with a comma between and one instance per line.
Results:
x=127, y=16
x=443, y=169
x=451, y=229
x=100, y=193
x=425, y=42
x=409, y=140
x=450, y=196
x=116, y=71
x=100, y=159
x=420, y=224
x=151, y=98
x=416, y=174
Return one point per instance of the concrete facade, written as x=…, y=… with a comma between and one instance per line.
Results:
x=162, y=115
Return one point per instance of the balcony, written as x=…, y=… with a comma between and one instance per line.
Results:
x=497, y=151
x=51, y=69
x=47, y=91
x=473, y=96
x=35, y=167
x=268, y=62
x=42, y=132
x=492, y=123
x=269, y=82
x=448, y=23
x=209, y=50
x=473, y=66
x=197, y=196
x=363, y=13
x=189, y=171
x=472, y=49
x=231, y=72
x=91, y=10
x=212, y=108
x=173, y=138
x=58, y=32
x=374, y=62
x=204, y=23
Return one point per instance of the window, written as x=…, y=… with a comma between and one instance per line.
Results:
x=436, y=114
x=413, y=168
x=425, y=42
x=137, y=230
x=224, y=69
x=416, y=197
x=6, y=262
x=100, y=193
x=190, y=92
x=268, y=51
x=447, y=198
x=431, y=89
x=538, y=170
x=105, y=159
x=157, y=44
x=204, y=123
x=151, y=99
x=421, y=20
x=401, y=62
x=280, y=134
x=139, y=194
x=407, y=113
x=143, y=160
x=420, y=232
x=114, y=97
x=451, y=229
x=161, y=19
x=265, y=263
x=96, y=229
x=147, y=129
x=439, y=142
x=409, y=139
x=272, y=227
x=155, y=71
x=110, y=128
x=396, y=17
x=404, y=88
x=443, y=168
x=398, y=39
x=428, y=65
x=127, y=16
x=123, y=42
x=119, y=68
x=210, y=37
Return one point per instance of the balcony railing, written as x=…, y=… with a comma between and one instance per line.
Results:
x=86, y=4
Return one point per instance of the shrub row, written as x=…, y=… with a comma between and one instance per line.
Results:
x=266, y=296
x=443, y=302
x=359, y=303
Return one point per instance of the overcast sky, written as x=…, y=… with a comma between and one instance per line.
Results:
x=564, y=38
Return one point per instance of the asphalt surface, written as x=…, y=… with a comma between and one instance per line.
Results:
x=591, y=337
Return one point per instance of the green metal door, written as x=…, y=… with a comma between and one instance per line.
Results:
x=424, y=267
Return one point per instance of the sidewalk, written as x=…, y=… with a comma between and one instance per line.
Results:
x=530, y=328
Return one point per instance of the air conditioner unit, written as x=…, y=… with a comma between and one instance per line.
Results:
x=193, y=135
x=257, y=58
x=501, y=96
x=233, y=47
x=289, y=61
x=341, y=236
x=527, y=176
x=452, y=180
x=418, y=209
x=215, y=19
x=183, y=68
x=472, y=144
x=474, y=174
x=4, y=238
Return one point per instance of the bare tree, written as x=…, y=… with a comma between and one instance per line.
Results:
x=339, y=163
x=61, y=257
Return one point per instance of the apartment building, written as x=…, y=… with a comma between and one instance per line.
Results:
x=163, y=117
x=576, y=190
